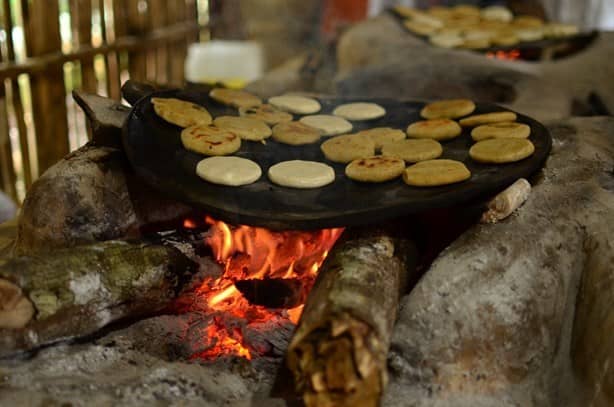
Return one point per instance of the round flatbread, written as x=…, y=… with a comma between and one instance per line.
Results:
x=232, y=171
x=296, y=104
x=560, y=30
x=267, y=113
x=441, y=12
x=180, y=112
x=529, y=34
x=480, y=43
x=360, y=111
x=466, y=10
x=236, y=98
x=350, y=147
x=436, y=129
x=501, y=150
x=210, y=140
x=405, y=11
x=434, y=173
x=301, y=174
x=295, y=133
x=446, y=40
x=375, y=169
x=505, y=39
x=478, y=34
x=448, y=109
x=413, y=151
x=427, y=19
x=244, y=127
x=383, y=135
x=497, y=13
x=488, y=118
x=501, y=130
x=525, y=21
x=419, y=28
x=328, y=125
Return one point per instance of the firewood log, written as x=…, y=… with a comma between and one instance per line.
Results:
x=338, y=353
x=74, y=292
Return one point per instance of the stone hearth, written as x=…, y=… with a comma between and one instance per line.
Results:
x=516, y=313
x=508, y=314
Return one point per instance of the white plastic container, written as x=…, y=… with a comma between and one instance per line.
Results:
x=233, y=62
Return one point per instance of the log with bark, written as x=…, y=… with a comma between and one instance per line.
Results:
x=75, y=292
x=338, y=353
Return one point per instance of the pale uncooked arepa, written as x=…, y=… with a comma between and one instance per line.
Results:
x=296, y=104
x=301, y=174
x=231, y=171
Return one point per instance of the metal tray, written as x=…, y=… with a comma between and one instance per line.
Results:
x=154, y=148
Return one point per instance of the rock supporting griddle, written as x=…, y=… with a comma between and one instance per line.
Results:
x=491, y=322
x=89, y=196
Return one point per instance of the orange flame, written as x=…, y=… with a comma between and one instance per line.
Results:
x=252, y=253
x=512, y=55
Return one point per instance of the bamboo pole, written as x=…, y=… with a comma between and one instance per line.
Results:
x=177, y=48
x=35, y=65
x=138, y=25
x=111, y=57
x=81, y=21
x=159, y=18
x=7, y=168
x=16, y=97
x=42, y=34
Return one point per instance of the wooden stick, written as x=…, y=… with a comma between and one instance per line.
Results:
x=16, y=310
x=338, y=353
x=16, y=97
x=42, y=29
x=36, y=64
x=81, y=21
x=506, y=202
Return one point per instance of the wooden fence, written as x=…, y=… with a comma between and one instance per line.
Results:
x=109, y=41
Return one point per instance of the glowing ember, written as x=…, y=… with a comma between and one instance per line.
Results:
x=512, y=55
x=252, y=253
x=189, y=224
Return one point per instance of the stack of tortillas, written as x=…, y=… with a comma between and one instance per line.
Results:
x=470, y=27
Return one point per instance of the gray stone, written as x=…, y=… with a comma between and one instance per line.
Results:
x=490, y=323
x=89, y=196
x=81, y=199
x=143, y=364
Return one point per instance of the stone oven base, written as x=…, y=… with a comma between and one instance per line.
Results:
x=515, y=313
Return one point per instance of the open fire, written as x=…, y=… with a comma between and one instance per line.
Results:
x=253, y=259
x=512, y=55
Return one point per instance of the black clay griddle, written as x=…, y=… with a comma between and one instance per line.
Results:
x=154, y=149
x=521, y=46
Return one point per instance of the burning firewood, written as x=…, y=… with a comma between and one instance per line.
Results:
x=338, y=354
x=74, y=292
